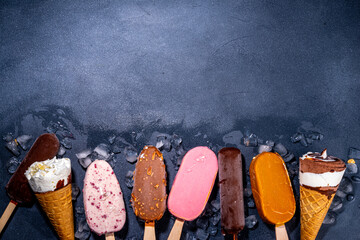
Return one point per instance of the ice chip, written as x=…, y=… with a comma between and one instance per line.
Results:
x=270, y=143
x=75, y=190
x=214, y=220
x=356, y=179
x=314, y=135
x=336, y=204
x=83, y=154
x=24, y=141
x=164, y=143
x=116, y=148
x=65, y=134
x=354, y=153
x=202, y=222
x=103, y=151
x=264, y=148
x=176, y=141
x=215, y=205
x=129, y=181
x=351, y=168
x=251, y=221
x=12, y=165
x=247, y=192
x=79, y=212
x=66, y=143
x=201, y=234
x=190, y=236
x=233, y=137
x=346, y=185
x=61, y=151
x=330, y=218
x=212, y=230
x=280, y=149
x=85, y=162
x=297, y=137
x=111, y=139
x=304, y=142
x=288, y=157
x=250, y=203
x=8, y=137
x=340, y=193
x=12, y=147
x=250, y=141
x=130, y=154
x=83, y=231
x=350, y=197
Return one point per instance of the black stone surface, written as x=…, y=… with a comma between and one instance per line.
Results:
x=185, y=67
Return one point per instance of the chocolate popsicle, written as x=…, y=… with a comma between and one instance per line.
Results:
x=231, y=191
x=148, y=197
x=45, y=147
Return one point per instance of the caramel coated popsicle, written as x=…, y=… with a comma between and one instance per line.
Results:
x=148, y=197
x=231, y=191
x=272, y=191
x=45, y=147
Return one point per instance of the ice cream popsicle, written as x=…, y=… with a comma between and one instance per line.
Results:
x=103, y=200
x=320, y=176
x=192, y=187
x=231, y=191
x=272, y=191
x=148, y=197
x=45, y=147
x=51, y=182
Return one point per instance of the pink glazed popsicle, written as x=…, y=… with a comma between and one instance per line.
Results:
x=192, y=187
x=103, y=200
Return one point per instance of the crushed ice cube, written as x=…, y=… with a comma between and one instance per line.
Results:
x=66, y=142
x=313, y=135
x=330, y=218
x=13, y=148
x=111, y=139
x=250, y=203
x=280, y=149
x=346, y=185
x=176, y=141
x=201, y=234
x=212, y=230
x=336, y=204
x=190, y=236
x=202, y=222
x=233, y=137
x=163, y=143
x=264, y=148
x=130, y=154
x=129, y=181
x=24, y=141
x=215, y=205
x=304, y=142
x=65, y=134
x=297, y=137
x=214, y=220
x=288, y=157
x=111, y=161
x=103, y=151
x=85, y=162
x=75, y=190
x=356, y=179
x=351, y=168
x=354, y=153
x=12, y=165
x=350, y=197
x=250, y=141
x=83, y=154
x=79, y=212
x=251, y=221
x=247, y=192
x=61, y=151
x=270, y=143
x=83, y=231
x=116, y=148
x=8, y=137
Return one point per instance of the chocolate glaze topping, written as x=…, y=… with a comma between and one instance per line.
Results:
x=318, y=163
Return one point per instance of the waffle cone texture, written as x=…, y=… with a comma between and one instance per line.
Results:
x=314, y=206
x=58, y=207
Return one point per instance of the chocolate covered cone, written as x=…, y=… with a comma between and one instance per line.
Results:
x=314, y=205
x=58, y=207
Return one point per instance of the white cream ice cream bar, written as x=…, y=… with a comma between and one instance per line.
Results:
x=318, y=170
x=49, y=175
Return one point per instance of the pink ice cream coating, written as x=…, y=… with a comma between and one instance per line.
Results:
x=193, y=183
x=103, y=199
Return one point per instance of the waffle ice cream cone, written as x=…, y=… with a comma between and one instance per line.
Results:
x=58, y=207
x=320, y=176
x=313, y=206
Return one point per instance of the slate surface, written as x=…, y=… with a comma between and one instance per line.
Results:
x=186, y=67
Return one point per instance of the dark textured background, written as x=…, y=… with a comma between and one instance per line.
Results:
x=188, y=66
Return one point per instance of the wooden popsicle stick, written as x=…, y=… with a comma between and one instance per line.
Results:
x=149, y=233
x=235, y=236
x=109, y=236
x=7, y=214
x=175, y=233
x=281, y=233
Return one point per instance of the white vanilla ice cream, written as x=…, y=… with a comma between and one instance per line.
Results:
x=44, y=176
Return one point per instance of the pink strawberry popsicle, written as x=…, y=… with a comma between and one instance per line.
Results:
x=103, y=199
x=192, y=187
